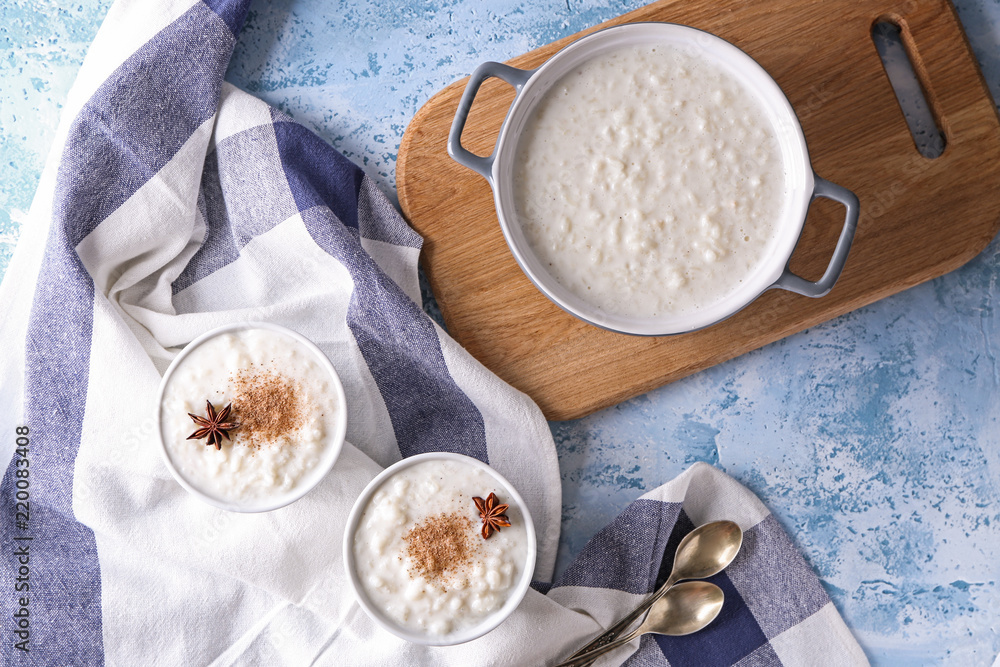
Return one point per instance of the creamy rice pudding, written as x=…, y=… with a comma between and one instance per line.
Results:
x=420, y=555
x=649, y=181
x=286, y=415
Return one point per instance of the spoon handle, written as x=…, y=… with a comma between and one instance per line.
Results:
x=621, y=626
x=589, y=656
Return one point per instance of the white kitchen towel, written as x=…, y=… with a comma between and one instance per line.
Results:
x=173, y=203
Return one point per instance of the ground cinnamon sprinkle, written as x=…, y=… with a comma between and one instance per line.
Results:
x=267, y=406
x=441, y=545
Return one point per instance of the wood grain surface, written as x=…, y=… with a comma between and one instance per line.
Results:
x=920, y=217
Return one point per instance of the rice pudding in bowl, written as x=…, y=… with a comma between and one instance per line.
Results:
x=424, y=562
x=652, y=179
x=251, y=417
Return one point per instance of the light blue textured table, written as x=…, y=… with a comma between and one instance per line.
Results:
x=873, y=438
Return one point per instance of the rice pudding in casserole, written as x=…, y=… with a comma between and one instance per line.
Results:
x=649, y=181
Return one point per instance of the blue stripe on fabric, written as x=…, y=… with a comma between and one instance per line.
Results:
x=378, y=220
x=681, y=528
x=246, y=194
x=626, y=554
x=401, y=348
x=648, y=655
x=765, y=656
x=65, y=580
x=219, y=247
x=726, y=640
x=141, y=116
x=542, y=587
x=317, y=174
x=136, y=121
x=770, y=571
x=233, y=12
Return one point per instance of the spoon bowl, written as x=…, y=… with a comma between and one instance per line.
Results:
x=684, y=609
x=706, y=551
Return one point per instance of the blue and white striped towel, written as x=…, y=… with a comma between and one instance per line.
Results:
x=174, y=203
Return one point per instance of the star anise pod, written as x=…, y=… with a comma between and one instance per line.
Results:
x=492, y=513
x=214, y=427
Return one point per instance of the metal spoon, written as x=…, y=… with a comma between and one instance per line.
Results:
x=705, y=551
x=684, y=609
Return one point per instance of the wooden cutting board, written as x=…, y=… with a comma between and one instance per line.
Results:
x=920, y=217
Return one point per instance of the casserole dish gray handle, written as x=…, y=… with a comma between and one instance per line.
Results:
x=515, y=77
x=821, y=287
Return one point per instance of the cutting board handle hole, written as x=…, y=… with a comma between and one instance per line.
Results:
x=896, y=51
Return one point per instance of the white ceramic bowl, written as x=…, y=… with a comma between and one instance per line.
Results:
x=802, y=185
x=516, y=594
x=333, y=444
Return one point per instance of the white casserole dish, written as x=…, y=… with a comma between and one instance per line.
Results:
x=802, y=184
